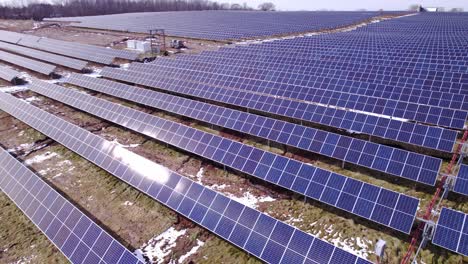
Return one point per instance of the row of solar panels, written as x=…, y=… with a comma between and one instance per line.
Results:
x=78, y=237
x=271, y=83
x=366, y=200
x=223, y=25
x=388, y=160
x=270, y=240
x=299, y=72
x=70, y=49
x=393, y=129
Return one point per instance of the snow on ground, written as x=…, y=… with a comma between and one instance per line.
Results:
x=250, y=200
x=192, y=251
x=14, y=89
x=356, y=245
x=40, y=158
x=125, y=146
x=32, y=99
x=21, y=147
x=161, y=246
x=128, y=203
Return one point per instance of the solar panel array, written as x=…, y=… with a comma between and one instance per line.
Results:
x=44, y=56
x=70, y=49
x=222, y=25
x=259, y=234
x=394, y=129
x=8, y=74
x=461, y=181
x=389, y=160
x=70, y=230
x=26, y=63
x=452, y=231
x=366, y=200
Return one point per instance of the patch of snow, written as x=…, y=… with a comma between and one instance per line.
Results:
x=21, y=147
x=14, y=89
x=218, y=187
x=250, y=200
x=40, y=158
x=192, y=251
x=125, y=146
x=32, y=99
x=128, y=203
x=157, y=248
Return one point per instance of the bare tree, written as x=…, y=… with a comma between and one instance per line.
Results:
x=267, y=6
x=105, y=7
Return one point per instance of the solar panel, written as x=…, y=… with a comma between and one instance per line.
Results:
x=222, y=25
x=79, y=238
x=367, y=154
x=8, y=74
x=26, y=63
x=71, y=49
x=415, y=134
x=452, y=231
x=252, y=63
x=303, y=88
x=461, y=181
x=255, y=232
x=44, y=56
x=369, y=201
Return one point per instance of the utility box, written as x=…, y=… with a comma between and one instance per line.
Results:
x=131, y=44
x=143, y=46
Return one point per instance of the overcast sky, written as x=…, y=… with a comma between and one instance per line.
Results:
x=355, y=4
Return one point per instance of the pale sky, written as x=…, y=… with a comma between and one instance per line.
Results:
x=355, y=4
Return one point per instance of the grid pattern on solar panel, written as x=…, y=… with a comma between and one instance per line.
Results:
x=386, y=159
x=416, y=134
x=8, y=74
x=223, y=25
x=29, y=64
x=72, y=232
x=452, y=231
x=461, y=181
x=255, y=232
x=421, y=113
x=399, y=59
x=302, y=66
x=369, y=201
x=44, y=56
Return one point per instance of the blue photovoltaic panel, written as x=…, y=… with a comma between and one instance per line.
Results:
x=72, y=232
x=311, y=89
x=452, y=231
x=258, y=234
x=223, y=25
x=411, y=133
x=386, y=159
x=369, y=201
x=461, y=181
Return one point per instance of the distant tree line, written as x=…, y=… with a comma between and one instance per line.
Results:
x=70, y=8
